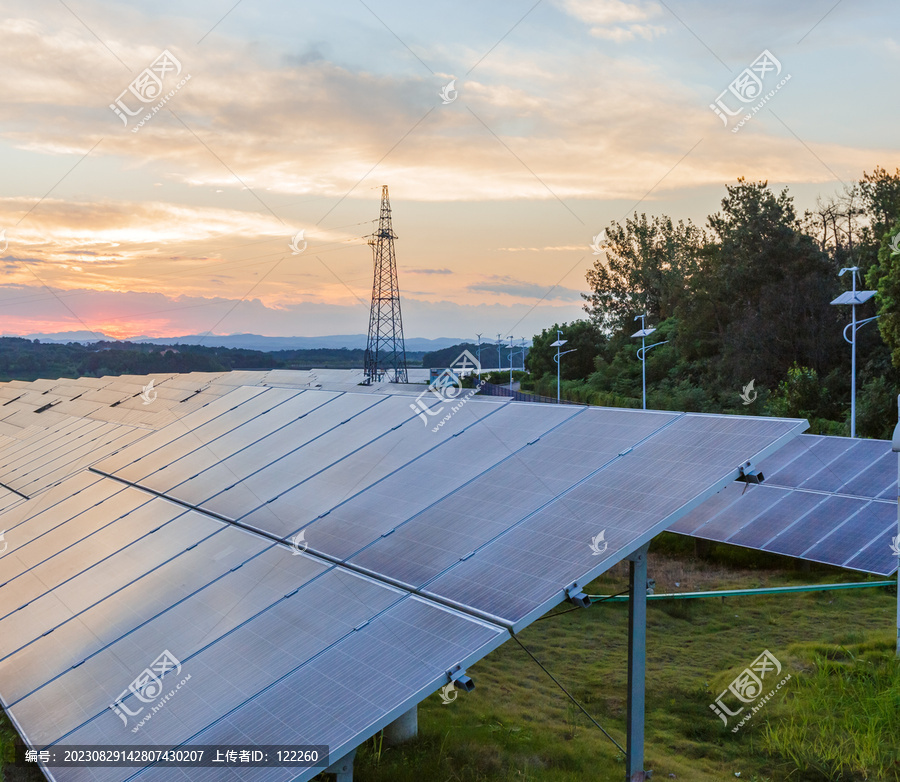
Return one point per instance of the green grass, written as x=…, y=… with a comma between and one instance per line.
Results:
x=837, y=719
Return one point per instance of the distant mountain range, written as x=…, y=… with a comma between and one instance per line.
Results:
x=248, y=341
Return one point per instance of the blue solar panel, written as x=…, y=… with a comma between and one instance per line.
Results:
x=824, y=487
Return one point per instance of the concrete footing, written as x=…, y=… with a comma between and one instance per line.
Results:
x=404, y=728
x=343, y=768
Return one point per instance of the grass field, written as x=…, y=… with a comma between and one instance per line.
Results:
x=838, y=718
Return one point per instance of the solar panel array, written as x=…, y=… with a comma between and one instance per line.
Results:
x=315, y=561
x=825, y=499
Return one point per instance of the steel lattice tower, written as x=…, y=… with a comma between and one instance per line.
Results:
x=385, y=349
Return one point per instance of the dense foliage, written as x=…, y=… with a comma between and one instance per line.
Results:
x=744, y=298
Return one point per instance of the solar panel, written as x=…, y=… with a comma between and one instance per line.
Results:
x=493, y=514
x=331, y=484
x=503, y=495
x=815, y=461
x=817, y=503
x=626, y=501
x=795, y=539
x=748, y=503
x=791, y=507
x=214, y=482
x=854, y=297
x=460, y=457
x=189, y=423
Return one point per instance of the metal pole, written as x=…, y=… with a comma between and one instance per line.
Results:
x=558, y=337
x=479, y=357
x=853, y=371
x=853, y=363
x=510, y=360
x=644, y=368
x=637, y=664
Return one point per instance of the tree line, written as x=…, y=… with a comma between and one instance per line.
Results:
x=744, y=297
x=22, y=359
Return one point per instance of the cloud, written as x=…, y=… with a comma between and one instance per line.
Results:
x=508, y=286
x=327, y=125
x=427, y=271
x=616, y=20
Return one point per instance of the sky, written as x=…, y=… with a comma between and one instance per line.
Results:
x=158, y=159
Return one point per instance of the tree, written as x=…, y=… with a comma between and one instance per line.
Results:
x=760, y=299
x=583, y=336
x=648, y=266
x=884, y=276
x=881, y=198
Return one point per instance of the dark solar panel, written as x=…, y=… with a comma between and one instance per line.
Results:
x=779, y=517
x=831, y=481
x=826, y=516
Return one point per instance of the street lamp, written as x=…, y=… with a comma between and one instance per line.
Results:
x=558, y=344
x=642, y=352
x=510, y=360
x=853, y=297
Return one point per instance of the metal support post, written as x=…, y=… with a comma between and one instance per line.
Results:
x=637, y=664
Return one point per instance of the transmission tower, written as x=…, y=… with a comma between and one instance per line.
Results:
x=385, y=349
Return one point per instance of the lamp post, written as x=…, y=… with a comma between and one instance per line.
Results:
x=558, y=344
x=499, y=360
x=510, y=360
x=853, y=297
x=479, y=357
x=643, y=333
